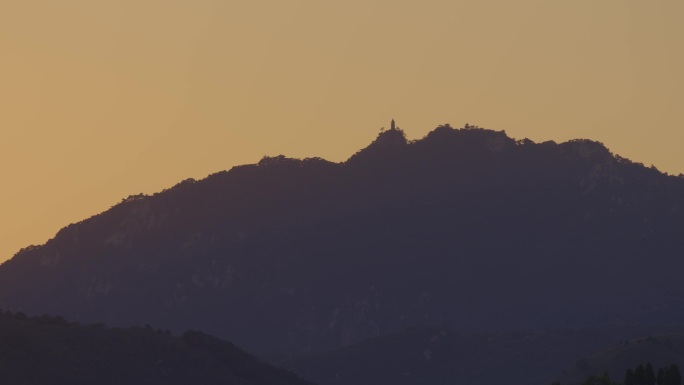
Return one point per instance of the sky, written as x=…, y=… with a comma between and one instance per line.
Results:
x=103, y=99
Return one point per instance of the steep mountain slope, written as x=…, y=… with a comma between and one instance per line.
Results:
x=465, y=227
x=50, y=350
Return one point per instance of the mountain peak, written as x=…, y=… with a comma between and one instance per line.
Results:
x=469, y=137
x=389, y=142
x=587, y=149
x=394, y=137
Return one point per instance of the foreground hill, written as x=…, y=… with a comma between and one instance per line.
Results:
x=465, y=227
x=50, y=350
x=441, y=356
x=659, y=350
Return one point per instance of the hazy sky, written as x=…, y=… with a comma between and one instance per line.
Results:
x=108, y=98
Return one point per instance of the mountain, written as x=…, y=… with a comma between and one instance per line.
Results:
x=50, y=350
x=464, y=227
x=442, y=356
x=660, y=350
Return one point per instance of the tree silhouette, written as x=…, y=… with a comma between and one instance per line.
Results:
x=649, y=378
x=640, y=375
x=630, y=378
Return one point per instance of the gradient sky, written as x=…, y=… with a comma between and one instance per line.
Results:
x=108, y=98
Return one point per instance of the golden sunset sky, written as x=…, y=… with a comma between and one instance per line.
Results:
x=101, y=99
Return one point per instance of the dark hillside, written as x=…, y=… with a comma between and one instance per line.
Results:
x=661, y=350
x=49, y=350
x=441, y=356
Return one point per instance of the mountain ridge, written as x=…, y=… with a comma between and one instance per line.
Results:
x=454, y=228
x=51, y=350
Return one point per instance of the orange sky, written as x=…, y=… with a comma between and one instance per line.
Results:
x=103, y=99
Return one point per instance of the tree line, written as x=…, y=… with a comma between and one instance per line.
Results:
x=640, y=375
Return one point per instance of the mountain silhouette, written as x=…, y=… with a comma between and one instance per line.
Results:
x=464, y=227
x=51, y=350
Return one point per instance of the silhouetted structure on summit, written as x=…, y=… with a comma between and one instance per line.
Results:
x=393, y=126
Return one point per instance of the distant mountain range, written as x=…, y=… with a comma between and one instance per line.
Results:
x=466, y=227
x=50, y=350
